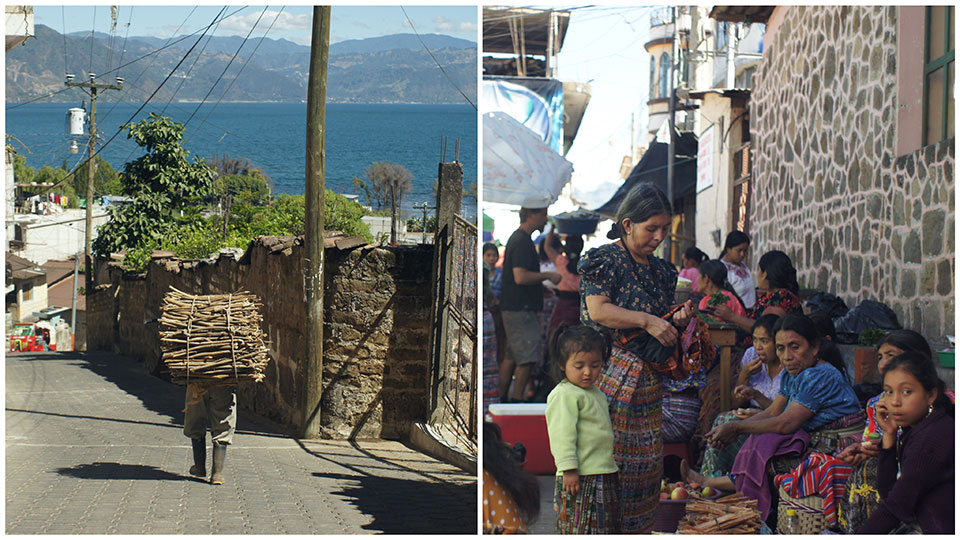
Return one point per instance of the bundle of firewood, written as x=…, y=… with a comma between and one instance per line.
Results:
x=214, y=339
x=733, y=514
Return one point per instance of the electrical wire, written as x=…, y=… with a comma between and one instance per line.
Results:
x=34, y=100
x=119, y=131
x=224, y=72
x=237, y=76
x=123, y=48
x=472, y=104
x=196, y=59
x=152, y=60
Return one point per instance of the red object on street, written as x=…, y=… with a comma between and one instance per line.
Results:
x=527, y=424
x=24, y=338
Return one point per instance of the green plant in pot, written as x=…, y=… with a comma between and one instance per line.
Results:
x=865, y=355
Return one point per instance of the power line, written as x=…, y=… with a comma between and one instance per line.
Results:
x=123, y=48
x=237, y=76
x=435, y=59
x=34, y=100
x=63, y=22
x=104, y=145
x=224, y=72
x=196, y=59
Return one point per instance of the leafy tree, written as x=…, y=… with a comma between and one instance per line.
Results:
x=106, y=181
x=161, y=182
x=22, y=172
x=390, y=182
x=243, y=189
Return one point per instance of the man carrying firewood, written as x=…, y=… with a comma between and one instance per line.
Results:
x=216, y=405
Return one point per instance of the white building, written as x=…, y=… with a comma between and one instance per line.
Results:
x=41, y=238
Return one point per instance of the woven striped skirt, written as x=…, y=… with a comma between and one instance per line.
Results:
x=593, y=510
x=720, y=462
x=680, y=415
x=634, y=390
x=491, y=371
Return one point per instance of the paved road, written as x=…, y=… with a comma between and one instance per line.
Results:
x=95, y=445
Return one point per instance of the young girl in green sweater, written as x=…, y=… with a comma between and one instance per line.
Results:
x=581, y=439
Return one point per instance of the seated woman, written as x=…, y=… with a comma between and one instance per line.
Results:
x=862, y=455
x=916, y=469
x=713, y=283
x=815, y=395
x=777, y=281
x=757, y=386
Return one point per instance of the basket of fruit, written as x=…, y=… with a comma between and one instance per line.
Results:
x=578, y=222
x=673, y=503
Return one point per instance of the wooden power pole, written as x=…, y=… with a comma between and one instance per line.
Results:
x=92, y=87
x=313, y=230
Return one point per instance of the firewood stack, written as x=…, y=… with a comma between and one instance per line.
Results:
x=213, y=340
x=733, y=514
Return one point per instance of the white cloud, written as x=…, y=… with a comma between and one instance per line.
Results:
x=467, y=26
x=286, y=21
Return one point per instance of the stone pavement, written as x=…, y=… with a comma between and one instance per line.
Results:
x=95, y=445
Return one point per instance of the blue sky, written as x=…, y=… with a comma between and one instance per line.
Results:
x=293, y=23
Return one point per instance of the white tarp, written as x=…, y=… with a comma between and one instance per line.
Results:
x=518, y=167
x=521, y=103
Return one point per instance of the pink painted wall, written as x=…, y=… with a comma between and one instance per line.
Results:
x=773, y=26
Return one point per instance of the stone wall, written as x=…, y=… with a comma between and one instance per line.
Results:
x=376, y=331
x=857, y=220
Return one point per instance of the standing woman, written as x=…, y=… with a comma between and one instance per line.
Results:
x=733, y=256
x=624, y=287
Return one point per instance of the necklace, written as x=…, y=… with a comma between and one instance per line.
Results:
x=899, y=448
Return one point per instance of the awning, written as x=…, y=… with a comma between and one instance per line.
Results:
x=653, y=169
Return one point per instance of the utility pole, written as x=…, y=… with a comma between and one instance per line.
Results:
x=91, y=88
x=668, y=241
x=313, y=227
x=73, y=304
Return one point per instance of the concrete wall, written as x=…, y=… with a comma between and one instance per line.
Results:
x=37, y=301
x=57, y=236
x=376, y=333
x=858, y=219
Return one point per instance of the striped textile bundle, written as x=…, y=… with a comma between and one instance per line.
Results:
x=818, y=474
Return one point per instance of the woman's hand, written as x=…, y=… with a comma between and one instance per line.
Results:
x=723, y=311
x=851, y=455
x=870, y=450
x=661, y=330
x=722, y=435
x=571, y=482
x=743, y=414
x=682, y=318
x=744, y=392
x=753, y=367
x=884, y=420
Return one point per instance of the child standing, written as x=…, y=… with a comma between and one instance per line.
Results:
x=587, y=489
x=915, y=471
x=692, y=258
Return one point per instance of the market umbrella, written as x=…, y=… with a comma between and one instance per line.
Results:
x=518, y=167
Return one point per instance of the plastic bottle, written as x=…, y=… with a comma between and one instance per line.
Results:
x=792, y=523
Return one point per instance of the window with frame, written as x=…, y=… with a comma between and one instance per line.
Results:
x=938, y=74
x=653, y=76
x=664, y=75
x=721, y=36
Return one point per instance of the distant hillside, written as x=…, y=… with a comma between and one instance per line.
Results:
x=386, y=69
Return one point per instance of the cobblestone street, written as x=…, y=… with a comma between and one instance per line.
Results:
x=95, y=445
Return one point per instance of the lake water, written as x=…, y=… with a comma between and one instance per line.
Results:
x=273, y=137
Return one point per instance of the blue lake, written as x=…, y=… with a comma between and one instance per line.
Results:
x=273, y=137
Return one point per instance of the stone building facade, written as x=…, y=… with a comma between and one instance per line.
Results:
x=835, y=189
x=376, y=332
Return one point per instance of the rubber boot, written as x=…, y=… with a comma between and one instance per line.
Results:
x=219, y=456
x=199, y=458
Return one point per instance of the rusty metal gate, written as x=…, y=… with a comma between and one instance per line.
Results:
x=454, y=390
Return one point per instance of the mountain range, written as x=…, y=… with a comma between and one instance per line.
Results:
x=386, y=69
